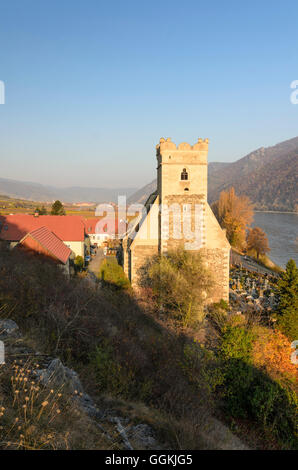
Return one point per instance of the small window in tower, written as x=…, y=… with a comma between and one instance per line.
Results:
x=184, y=175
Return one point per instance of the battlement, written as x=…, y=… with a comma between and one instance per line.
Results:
x=167, y=144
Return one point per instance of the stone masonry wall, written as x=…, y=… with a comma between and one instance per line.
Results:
x=139, y=256
x=218, y=263
x=168, y=240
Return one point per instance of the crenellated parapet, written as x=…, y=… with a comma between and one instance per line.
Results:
x=167, y=144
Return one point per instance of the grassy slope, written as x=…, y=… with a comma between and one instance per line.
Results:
x=128, y=357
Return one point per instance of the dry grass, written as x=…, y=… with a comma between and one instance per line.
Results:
x=33, y=417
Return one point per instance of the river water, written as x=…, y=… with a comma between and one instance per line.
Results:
x=282, y=231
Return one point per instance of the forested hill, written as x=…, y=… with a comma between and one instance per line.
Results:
x=269, y=176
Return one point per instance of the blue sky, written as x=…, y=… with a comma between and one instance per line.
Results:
x=91, y=86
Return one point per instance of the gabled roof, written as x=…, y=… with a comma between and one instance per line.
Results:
x=66, y=227
x=46, y=242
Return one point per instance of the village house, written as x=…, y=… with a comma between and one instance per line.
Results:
x=102, y=229
x=45, y=242
x=98, y=235
x=180, y=199
x=69, y=229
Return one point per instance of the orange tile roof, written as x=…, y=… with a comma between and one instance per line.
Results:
x=109, y=226
x=46, y=242
x=66, y=227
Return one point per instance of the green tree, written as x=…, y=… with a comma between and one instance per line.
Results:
x=57, y=208
x=287, y=314
x=41, y=210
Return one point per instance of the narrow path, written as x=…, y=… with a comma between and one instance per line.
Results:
x=248, y=263
x=252, y=265
x=94, y=265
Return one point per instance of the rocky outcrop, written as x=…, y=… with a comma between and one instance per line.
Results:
x=55, y=374
x=8, y=328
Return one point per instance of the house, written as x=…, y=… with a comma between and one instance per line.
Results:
x=102, y=229
x=45, y=242
x=97, y=234
x=68, y=228
x=179, y=203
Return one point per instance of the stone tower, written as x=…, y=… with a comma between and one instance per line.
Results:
x=178, y=215
x=182, y=190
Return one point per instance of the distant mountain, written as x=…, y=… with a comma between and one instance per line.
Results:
x=39, y=192
x=142, y=195
x=269, y=176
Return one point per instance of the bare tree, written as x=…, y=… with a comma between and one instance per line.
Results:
x=257, y=240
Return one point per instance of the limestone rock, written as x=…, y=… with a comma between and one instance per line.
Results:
x=57, y=375
x=7, y=328
x=143, y=436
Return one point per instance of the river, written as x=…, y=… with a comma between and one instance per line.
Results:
x=282, y=231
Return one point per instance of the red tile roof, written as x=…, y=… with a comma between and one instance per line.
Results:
x=44, y=241
x=66, y=227
x=109, y=226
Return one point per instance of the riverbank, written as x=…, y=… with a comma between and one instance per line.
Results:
x=278, y=212
x=281, y=230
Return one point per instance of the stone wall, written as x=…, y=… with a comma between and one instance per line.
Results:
x=218, y=262
x=192, y=219
x=140, y=254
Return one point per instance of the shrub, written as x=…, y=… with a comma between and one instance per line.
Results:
x=222, y=304
x=275, y=408
x=287, y=323
x=180, y=282
x=236, y=343
x=249, y=391
x=271, y=353
x=112, y=274
x=203, y=370
x=235, y=351
x=79, y=263
x=114, y=377
x=109, y=373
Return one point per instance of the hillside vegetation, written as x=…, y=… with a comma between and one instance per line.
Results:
x=149, y=364
x=268, y=176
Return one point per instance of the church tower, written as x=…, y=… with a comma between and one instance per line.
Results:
x=182, y=190
x=178, y=215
